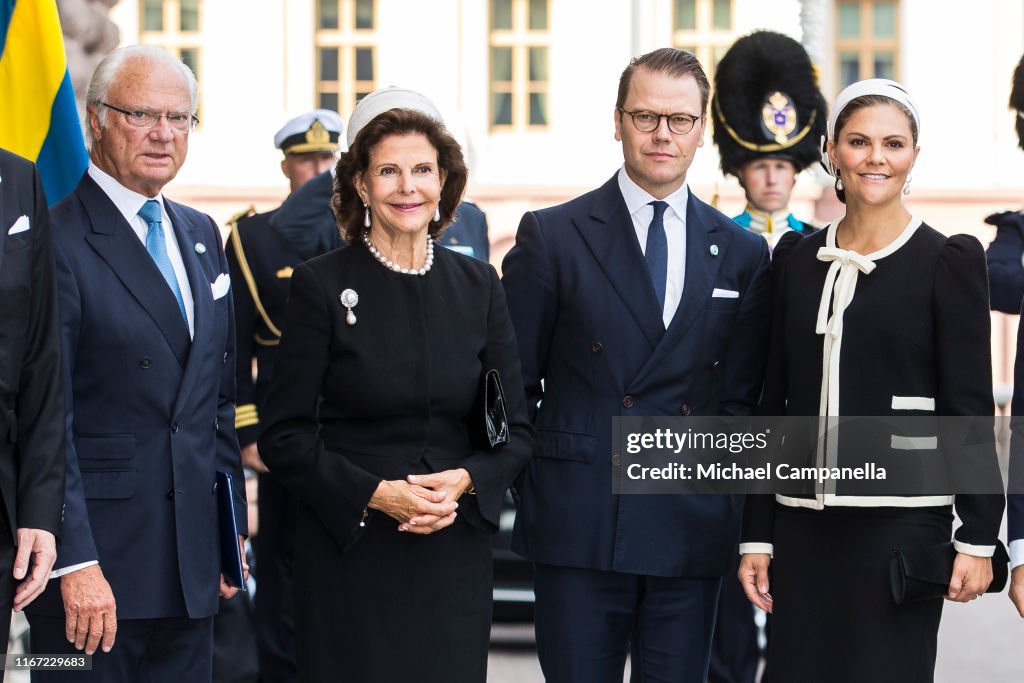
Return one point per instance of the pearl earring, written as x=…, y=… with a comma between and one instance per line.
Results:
x=906, y=185
x=366, y=216
x=437, y=214
x=839, y=184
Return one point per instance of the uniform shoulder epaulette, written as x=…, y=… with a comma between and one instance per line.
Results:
x=244, y=213
x=1000, y=216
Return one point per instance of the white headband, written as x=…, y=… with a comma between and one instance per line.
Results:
x=871, y=86
x=386, y=99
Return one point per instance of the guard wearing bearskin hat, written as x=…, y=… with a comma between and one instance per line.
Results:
x=768, y=116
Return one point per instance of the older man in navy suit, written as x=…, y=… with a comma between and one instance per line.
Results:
x=148, y=342
x=634, y=299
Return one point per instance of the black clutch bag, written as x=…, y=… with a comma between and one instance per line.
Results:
x=490, y=418
x=923, y=572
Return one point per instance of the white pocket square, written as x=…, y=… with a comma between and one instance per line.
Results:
x=221, y=285
x=20, y=225
x=724, y=294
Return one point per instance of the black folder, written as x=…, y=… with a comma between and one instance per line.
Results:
x=230, y=553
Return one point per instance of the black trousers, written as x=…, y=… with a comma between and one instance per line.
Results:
x=588, y=620
x=7, y=585
x=275, y=553
x=145, y=651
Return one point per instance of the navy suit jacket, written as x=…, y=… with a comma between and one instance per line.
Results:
x=1005, y=265
x=151, y=416
x=589, y=326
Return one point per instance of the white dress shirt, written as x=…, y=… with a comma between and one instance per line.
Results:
x=638, y=204
x=128, y=203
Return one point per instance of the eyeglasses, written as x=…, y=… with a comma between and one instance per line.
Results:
x=183, y=122
x=648, y=121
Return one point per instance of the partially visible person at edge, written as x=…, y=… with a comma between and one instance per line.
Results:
x=768, y=119
x=148, y=342
x=1006, y=287
x=372, y=415
x=261, y=259
x=1006, y=252
x=833, y=611
x=32, y=439
x=634, y=299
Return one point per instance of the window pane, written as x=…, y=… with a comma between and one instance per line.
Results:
x=364, y=64
x=153, y=15
x=885, y=65
x=692, y=49
x=364, y=14
x=538, y=109
x=328, y=10
x=538, y=15
x=849, y=20
x=849, y=68
x=884, y=20
x=501, y=64
x=329, y=100
x=328, y=64
x=686, y=15
x=188, y=15
x=361, y=94
x=538, y=64
x=190, y=55
x=501, y=109
x=501, y=14
x=722, y=18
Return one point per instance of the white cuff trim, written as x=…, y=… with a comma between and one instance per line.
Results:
x=1016, y=553
x=751, y=548
x=57, y=573
x=975, y=550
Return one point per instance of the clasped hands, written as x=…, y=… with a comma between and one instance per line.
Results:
x=422, y=503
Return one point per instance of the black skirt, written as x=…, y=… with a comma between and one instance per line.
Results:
x=395, y=607
x=833, y=616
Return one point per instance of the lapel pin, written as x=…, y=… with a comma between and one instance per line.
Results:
x=349, y=299
x=714, y=250
x=200, y=248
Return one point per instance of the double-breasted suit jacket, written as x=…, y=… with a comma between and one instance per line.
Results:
x=31, y=381
x=151, y=414
x=590, y=328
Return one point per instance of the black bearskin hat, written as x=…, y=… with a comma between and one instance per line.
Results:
x=767, y=103
x=1017, y=99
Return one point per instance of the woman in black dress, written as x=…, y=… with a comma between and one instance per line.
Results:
x=875, y=315
x=372, y=415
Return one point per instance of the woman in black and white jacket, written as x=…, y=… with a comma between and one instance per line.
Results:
x=878, y=314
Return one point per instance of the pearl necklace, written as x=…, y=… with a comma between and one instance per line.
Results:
x=392, y=266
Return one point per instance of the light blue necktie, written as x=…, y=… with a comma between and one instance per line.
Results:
x=656, y=252
x=157, y=248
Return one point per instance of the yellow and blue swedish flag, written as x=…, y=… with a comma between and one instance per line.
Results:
x=38, y=119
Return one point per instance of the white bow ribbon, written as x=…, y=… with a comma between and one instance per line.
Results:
x=840, y=284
